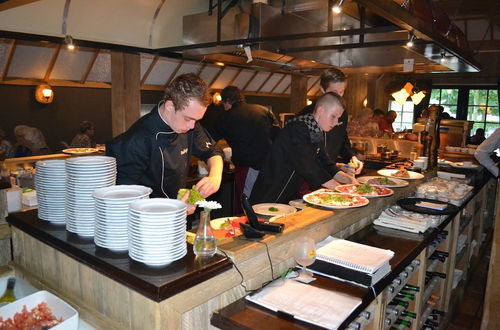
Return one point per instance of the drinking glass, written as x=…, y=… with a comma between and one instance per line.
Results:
x=305, y=255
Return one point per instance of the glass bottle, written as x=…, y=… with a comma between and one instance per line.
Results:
x=205, y=244
x=8, y=295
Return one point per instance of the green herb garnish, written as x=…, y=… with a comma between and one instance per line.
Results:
x=386, y=181
x=273, y=209
x=194, y=195
x=365, y=189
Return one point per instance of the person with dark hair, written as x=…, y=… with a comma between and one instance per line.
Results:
x=337, y=141
x=6, y=150
x=214, y=111
x=84, y=139
x=156, y=150
x=478, y=138
x=298, y=155
x=249, y=129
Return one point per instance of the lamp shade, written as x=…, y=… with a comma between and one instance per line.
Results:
x=44, y=94
x=400, y=96
x=417, y=97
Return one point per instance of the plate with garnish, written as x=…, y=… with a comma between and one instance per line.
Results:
x=402, y=173
x=383, y=181
x=334, y=200
x=273, y=209
x=365, y=190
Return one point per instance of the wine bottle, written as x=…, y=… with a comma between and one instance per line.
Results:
x=437, y=311
x=410, y=287
x=8, y=295
x=403, y=322
x=397, y=302
x=396, y=281
x=427, y=327
x=431, y=323
x=410, y=268
x=438, y=274
x=392, y=311
x=355, y=325
x=409, y=314
x=405, y=295
x=433, y=317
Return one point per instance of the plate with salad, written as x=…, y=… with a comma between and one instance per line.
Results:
x=365, y=190
x=273, y=209
x=335, y=200
x=383, y=181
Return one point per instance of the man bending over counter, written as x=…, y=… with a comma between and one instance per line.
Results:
x=155, y=151
x=298, y=154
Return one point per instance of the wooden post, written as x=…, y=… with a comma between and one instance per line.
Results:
x=491, y=319
x=125, y=91
x=298, y=93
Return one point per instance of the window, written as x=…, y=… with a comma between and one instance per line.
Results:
x=404, y=120
x=483, y=110
x=447, y=98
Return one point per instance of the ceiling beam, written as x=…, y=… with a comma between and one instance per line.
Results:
x=249, y=81
x=235, y=76
x=9, y=4
x=215, y=77
x=265, y=81
x=52, y=63
x=150, y=68
x=90, y=66
x=8, y=60
x=315, y=83
x=279, y=82
x=172, y=76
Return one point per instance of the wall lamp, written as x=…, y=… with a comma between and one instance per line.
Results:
x=337, y=8
x=408, y=90
x=44, y=94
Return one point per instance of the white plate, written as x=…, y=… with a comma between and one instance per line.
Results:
x=157, y=206
x=283, y=209
x=298, y=204
x=216, y=223
x=307, y=199
x=121, y=192
x=399, y=183
x=461, y=165
x=413, y=175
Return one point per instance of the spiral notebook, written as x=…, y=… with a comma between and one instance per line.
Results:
x=352, y=262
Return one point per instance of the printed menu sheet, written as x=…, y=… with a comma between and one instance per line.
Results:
x=307, y=303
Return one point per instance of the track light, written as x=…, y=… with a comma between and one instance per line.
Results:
x=443, y=58
x=69, y=42
x=337, y=8
x=410, y=41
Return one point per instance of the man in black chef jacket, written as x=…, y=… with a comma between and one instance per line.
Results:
x=337, y=141
x=155, y=151
x=298, y=155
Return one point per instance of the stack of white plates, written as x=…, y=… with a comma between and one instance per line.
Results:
x=157, y=231
x=111, y=214
x=83, y=176
x=50, y=185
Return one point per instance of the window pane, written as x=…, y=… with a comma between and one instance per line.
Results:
x=435, y=96
x=493, y=97
x=477, y=96
x=490, y=128
x=476, y=114
x=451, y=109
x=393, y=105
x=449, y=96
x=407, y=117
x=492, y=114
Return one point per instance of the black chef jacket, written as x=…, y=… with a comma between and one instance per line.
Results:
x=296, y=155
x=249, y=129
x=150, y=153
x=336, y=141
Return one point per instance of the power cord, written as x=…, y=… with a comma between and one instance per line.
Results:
x=239, y=272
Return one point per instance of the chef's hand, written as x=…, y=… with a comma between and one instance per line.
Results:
x=331, y=184
x=208, y=185
x=190, y=207
x=358, y=165
x=345, y=178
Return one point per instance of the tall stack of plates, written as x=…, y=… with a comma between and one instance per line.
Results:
x=83, y=176
x=50, y=185
x=111, y=214
x=157, y=231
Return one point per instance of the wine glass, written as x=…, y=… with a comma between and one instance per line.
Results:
x=305, y=255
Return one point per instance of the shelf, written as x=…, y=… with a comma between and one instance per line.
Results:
x=464, y=223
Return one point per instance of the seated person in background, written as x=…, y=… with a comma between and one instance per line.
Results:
x=446, y=115
x=20, y=148
x=249, y=129
x=84, y=139
x=385, y=123
x=477, y=138
x=298, y=155
x=363, y=125
x=485, y=150
x=5, y=146
x=35, y=142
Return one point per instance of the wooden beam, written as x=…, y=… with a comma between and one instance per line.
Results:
x=150, y=68
x=52, y=63
x=8, y=59
x=279, y=82
x=172, y=76
x=316, y=82
x=215, y=77
x=200, y=70
x=90, y=66
x=55, y=82
x=235, y=76
x=265, y=81
x=249, y=81
x=267, y=94
x=14, y=3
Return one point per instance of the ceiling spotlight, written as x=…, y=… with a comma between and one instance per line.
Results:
x=410, y=41
x=337, y=8
x=443, y=58
x=69, y=42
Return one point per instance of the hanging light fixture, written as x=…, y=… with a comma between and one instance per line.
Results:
x=443, y=58
x=410, y=41
x=69, y=42
x=44, y=94
x=408, y=90
x=417, y=97
x=400, y=96
x=337, y=8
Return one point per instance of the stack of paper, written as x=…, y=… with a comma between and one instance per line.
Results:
x=395, y=217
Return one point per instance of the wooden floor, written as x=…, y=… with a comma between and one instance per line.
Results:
x=468, y=313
